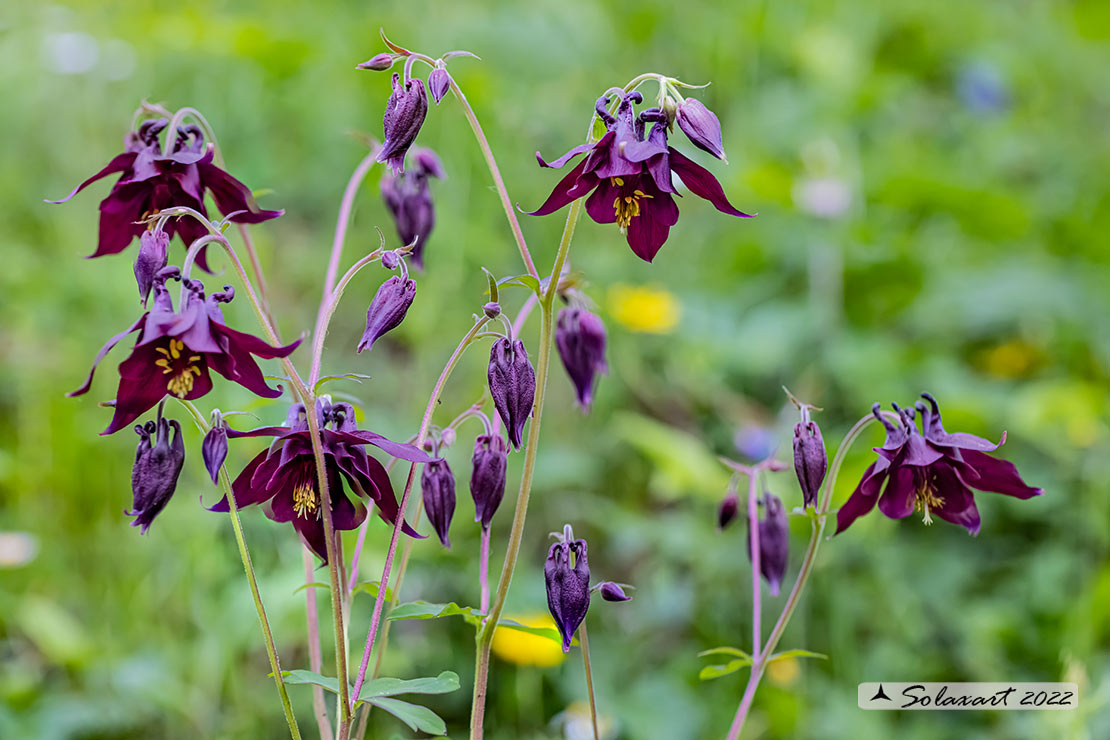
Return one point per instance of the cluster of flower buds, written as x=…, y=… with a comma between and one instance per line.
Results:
x=580, y=339
x=512, y=385
x=158, y=463
x=567, y=577
x=409, y=201
x=390, y=304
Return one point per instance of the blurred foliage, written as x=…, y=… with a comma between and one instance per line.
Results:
x=933, y=209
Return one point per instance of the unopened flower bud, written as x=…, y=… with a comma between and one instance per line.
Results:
x=810, y=460
x=378, y=62
x=612, y=592
x=151, y=259
x=701, y=126
x=404, y=115
x=774, y=542
x=390, y=260
x=439, y=82
x=568, y=587
x=512, y=384
x=726, y=512
x=437, y=484
x=214, y=450
x=580, y=339
x=409, y=200
x=388, y=309
x=492, y=309
x=154, y=474
x=487, y=478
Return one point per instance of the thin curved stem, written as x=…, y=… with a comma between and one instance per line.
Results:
x=422, y=435
x=248, y=567
x=483, y=571
x=753, y=549
x=327, y=310
x=315, y=657
x=584, y=642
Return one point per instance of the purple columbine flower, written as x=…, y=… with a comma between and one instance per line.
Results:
x=150, y=260
x=810, y=460
x=437, y=485
x=284, y=477
x=701, y=126
x=152, y=181
x=176, y=350
x=932, y=471
x=567, y=575
x=628, y=178
x=388, y=309
x=409, y=200
x=404, y=115
x=774, y=542
x=512, y=384
x=580, y=339
x=214, y=449
x=439, y=82
x=157, y=467
x=487, y=477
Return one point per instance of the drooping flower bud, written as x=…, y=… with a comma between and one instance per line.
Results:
x=580, y=339
x=409, y=200
x=439, y=82
x=774, y=542
x=568, y=587
x=150, y=259
x=726, y=512
x=390, y=260
x=487, y=478
x=702, y=127
x=612, y=591
x=810, y=460
x=437, y=484
x=214, y=450
x=388, y=309
x=512, y=384
x=404, y=115
x=378, y=62
x=157, y=466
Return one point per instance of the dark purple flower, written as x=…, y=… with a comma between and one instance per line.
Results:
x=701, y=126
x=378, y=62
x=612, y=591
x=284, y=476
x=773, y=542
x=388, y=309
x=810, y=460
x=404, y=115
x=567, y=575
x=932, y=471
x=214, y=450
x=437, y=485
x=630, y=178
x=176, y=350
x=157, y=466
x=152, y=181
x=439, y=82
x=512, y=384
x=150, y=260
x=487, y=477
x=726, y=512
x=409, y=200
x=580, y=339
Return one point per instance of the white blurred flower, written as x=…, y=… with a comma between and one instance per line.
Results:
x=17, y=549
x=71, y=52
x=823, y=197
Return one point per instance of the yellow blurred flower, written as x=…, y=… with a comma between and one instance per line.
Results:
x=1010, y=360
x=783, y=672
x=523, y=648
x=645, y=309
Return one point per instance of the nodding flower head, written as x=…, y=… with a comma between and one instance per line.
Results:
x=567, y=575
x=931, y=472
x=152, y=257
x=437, y=485
x=439, y=82
x=388, y=309
x=512, y=384
x=701, y=127
x=810, y=460
x=580, y=339
x=158, y=462
x=487, y=477
x=774, y=542
x=214, y=449
x=404, y=115
x=409, y=200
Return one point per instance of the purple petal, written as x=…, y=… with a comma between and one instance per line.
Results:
x=959, y=504
x=600, y=203
x=900, y=494
x=558, y=163
x=864, y=498
x=396, y=449
x=232, y=195
x=702, y=183
x=648, y=231
x=119, y=163
x=998, y=476
x=104, y=351
x=564, y=191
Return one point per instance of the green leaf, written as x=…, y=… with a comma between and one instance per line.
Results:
x=444, y=683
x=415, y=716
x=492, y=285
x=426, y=610
x=735, y=652
x=524, y=281
x=547, y=632
x=308, y=677
x=796, y=654
x=371, y=587
x=357, y=377
x=315, y=584
x=716, y=671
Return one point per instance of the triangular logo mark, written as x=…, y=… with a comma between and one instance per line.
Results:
x=880, y=694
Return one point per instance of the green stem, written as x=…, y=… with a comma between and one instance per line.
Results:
x=248, y=567
x=584, y=641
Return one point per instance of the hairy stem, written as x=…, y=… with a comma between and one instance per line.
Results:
x=315, y=658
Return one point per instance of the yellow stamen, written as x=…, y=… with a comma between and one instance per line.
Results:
x=182, y=369
x=627, y=207
x=304, y=499
x=927, y=498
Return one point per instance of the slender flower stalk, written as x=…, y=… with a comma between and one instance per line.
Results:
x=584, y=641
x=753, y=545
x=483, y=571
x=315, y=658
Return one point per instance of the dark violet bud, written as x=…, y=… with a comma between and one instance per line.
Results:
x=214, y=450
x=157, y=465
x=492, y=310
x=810, y=460
x=726, y=512
x=773, y=542
x=612, y=592
x=378, y=62
x=390, y=260
x=568, y=587
x=388, y=309
x=702, y=127
x=404, y=115
x=580, y=339
x=439, y=82
x=437, y=484
x=151, y=259
x=512, y=384
x=487, y=479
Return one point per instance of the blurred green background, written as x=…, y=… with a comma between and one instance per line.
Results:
x=931, y=182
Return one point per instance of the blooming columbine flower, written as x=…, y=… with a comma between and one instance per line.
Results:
x=153, y=181
x=157, y=467
x=176, y=350
x=283, y=476
x=410, y=203
x=630, y=178
x=932, y=471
